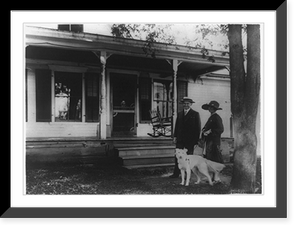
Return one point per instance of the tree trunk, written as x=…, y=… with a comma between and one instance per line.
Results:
x=244, y=105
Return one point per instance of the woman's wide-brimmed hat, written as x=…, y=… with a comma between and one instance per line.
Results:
x=187, y=99
x=213, y=104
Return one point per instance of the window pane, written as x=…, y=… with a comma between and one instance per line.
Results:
x=92, y=97
x=77, y=27
x=68, y=94
x=160, y=92
x=181, y=92
x=164, y=108
x=26, y=97
x=71, y=27
x=145, y=98
x=64, y=27
x=163, y=94
x=43, y=95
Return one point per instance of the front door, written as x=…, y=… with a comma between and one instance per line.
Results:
x=124, y=104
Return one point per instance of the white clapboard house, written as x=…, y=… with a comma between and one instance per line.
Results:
x=88, y=94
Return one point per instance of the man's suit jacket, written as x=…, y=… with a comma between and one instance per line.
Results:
x=187, y=128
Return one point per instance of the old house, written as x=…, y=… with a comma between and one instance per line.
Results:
x=89, y=93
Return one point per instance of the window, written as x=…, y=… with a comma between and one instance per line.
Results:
x=163, y=96
x=71, y=27
x=181, y=92
x=92, y=97
x=145, y=98
x=26, y=97
x=68, y=97
x=43, y=95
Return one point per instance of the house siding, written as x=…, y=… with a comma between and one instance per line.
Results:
x=203, y=91
x=68, y=129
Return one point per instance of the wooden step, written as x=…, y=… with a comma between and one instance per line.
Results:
x=118, y=142
x=148, y=160
x=146, y=150
x=128, y=145
x=147, y=166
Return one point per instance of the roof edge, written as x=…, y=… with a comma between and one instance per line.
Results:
x=90, y=37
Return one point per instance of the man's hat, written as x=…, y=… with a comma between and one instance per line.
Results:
x=187, y=99
x=213, y=104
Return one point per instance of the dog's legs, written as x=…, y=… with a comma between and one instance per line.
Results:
x=212, y=175
x=209, y=180
x=195, y=171
x=188, y=176
x=216, y=177
x=206, y=173
x=182, y=176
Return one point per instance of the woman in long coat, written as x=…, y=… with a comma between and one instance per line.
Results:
x=211, y=132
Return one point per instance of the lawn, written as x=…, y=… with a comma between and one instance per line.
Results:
x=113, y=179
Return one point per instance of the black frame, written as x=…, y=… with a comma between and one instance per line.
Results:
x=282, y=206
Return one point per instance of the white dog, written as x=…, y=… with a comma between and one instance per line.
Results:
x=199, y=166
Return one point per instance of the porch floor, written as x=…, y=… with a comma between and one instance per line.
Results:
x=94, y=138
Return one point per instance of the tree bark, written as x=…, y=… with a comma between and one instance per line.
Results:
x=244, y=105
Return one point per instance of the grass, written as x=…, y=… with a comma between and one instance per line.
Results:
x=113, y=179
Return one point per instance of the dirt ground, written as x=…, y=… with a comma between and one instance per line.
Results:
x=114, y=179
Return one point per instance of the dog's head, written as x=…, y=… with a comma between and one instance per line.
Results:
x=180, y=153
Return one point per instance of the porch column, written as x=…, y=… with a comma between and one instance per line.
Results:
x=83, y=99
x=52, y=96
x=175, y=69
x=31, y=96
x=102, y=101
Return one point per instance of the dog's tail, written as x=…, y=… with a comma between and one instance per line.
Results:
x=215, y=166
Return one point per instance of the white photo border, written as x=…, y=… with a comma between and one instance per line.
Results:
x=269, y=95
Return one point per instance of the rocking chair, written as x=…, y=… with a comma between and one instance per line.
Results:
x=161, y=126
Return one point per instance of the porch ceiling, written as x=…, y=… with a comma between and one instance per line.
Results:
x=59, y=54
x=127, y=62
x=196, y=69
x=140, y=64
x=124, y=53
x=161, y=66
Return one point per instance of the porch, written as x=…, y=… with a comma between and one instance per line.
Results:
x=80, y=84
x=88, y=96
x=129, y=152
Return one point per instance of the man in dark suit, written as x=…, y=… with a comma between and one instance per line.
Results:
x=187, y=130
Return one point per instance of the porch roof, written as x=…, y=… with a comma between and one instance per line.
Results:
x=126, y=53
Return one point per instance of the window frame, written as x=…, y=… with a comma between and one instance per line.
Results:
x=149, y=100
